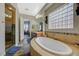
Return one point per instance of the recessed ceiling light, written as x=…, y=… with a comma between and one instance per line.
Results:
x=26, y=9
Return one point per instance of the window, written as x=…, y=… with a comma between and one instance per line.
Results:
x=26, y=27
x=61, y=18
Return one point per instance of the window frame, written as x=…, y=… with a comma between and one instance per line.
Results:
x=50, y=16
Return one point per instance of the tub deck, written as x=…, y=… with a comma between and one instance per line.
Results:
x=37, y=50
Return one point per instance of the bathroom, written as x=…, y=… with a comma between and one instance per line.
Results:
x=48, y=29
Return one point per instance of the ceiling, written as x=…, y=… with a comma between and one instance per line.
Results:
x=30, y=8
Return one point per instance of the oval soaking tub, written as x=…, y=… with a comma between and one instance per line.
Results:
x=53, y=46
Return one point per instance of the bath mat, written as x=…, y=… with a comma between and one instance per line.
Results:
x=11, y=51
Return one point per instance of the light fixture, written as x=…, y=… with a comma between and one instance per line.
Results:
x=77, y=9
x=6, y=15
x=39, y=16
x=10, y=16
x=10, y=8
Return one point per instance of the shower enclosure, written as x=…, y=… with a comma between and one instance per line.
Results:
x=9, y=25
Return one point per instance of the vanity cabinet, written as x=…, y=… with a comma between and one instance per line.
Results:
x=40, y=34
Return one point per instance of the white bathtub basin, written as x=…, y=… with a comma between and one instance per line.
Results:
x=53, y=46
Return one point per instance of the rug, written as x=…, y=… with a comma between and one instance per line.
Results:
x=12, y=50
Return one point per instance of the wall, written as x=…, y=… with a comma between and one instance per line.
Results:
x=76, y=20
x=21, y=28
x=34, y=26
x=2, y=29
x=41, y=19
x=17, y=24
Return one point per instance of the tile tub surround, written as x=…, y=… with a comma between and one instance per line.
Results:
x=70, y=38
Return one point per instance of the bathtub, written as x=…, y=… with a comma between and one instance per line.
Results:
x=53, y=46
